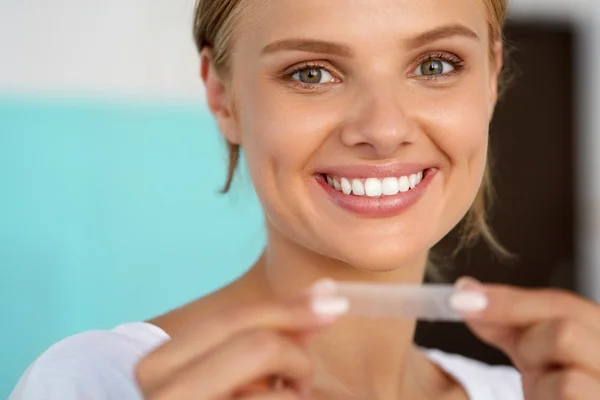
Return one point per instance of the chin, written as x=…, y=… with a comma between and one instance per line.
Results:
x=382, y=260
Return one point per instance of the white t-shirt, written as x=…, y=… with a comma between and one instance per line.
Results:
x=100, y=365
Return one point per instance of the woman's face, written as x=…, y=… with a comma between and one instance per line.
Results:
x=364, y=122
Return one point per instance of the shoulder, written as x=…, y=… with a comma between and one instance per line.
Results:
x=94, y=364
x=480, y=380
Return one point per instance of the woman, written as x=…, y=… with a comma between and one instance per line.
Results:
x=365, y=129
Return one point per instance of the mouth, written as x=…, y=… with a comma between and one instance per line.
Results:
x=375, y=187
x=376, y=192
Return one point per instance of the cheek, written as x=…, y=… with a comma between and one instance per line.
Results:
x=461, y=133
x=279, y=138
x=280, y=135
x=462, y=136
x=272, y=144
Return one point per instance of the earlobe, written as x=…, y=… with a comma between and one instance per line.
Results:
x=218, y=98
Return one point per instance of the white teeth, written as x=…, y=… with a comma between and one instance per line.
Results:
x=346, y=186
x=403, y=184
x=389, y=186
x=412, y=180
x=358, y=188
x=373, y=187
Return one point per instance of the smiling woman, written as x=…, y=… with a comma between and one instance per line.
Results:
x=385, y=115
x=215, y=28
x=364, y=126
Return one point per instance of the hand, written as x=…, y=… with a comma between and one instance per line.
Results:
x=552, y=337
x=233, y=353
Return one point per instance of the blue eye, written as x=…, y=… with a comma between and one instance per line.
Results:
x=313, y=76
x=434, y=68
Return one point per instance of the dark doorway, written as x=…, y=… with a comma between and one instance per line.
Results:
x=532, y=142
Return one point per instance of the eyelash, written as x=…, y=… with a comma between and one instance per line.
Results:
x=457, y=64
x=304, y=66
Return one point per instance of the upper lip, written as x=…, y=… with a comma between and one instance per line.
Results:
x=396, y=169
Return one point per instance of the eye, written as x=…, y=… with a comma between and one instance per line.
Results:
x=434, y=68
x=313, y=76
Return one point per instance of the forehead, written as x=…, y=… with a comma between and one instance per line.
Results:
x=358, y=22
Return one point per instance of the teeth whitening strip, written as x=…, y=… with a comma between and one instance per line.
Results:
x=425, y=302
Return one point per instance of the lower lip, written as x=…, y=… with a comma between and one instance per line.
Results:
x=378, y=207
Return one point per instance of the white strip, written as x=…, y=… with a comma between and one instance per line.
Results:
x=426, y=302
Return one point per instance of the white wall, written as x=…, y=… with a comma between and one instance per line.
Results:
x=109, y=47
x=145, y=50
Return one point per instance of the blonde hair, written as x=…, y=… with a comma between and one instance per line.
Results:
x=214, y=23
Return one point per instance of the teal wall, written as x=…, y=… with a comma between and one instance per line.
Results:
x=110, y=213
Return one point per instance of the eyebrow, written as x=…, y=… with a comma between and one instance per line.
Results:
x=342, y=50
x=440, y=33
x=310, y=46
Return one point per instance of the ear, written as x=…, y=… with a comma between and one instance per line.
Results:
x=495, y=72
x=218, y=97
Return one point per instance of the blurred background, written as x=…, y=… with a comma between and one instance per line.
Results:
x=110, y=167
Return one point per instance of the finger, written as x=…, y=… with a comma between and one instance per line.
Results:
x=300, y=315
x=499, y=336
x=523, y=307
x=247, y=358
x=563, y=343
x=565, y=385
x=509, y=312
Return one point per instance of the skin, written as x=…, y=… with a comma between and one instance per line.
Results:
x=377, y=113
x=375, y=109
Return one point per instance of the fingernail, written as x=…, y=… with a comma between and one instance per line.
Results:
x=466, y=282
x=330, y=307
x=468, y=302
x=322, y=287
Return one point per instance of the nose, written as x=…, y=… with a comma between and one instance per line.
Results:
x=379, y=124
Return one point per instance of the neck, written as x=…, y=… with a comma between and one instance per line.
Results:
x=356, y=357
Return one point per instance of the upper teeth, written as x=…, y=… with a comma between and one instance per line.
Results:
x=375, y=187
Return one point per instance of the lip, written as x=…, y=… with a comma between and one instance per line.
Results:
x=377, y=207
x=375, y=171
